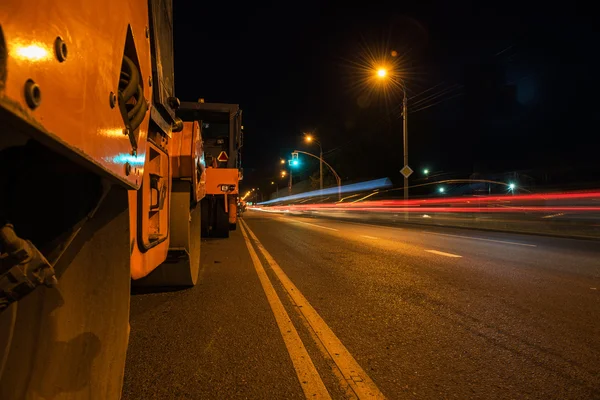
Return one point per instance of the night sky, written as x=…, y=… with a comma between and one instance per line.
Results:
x=500, y=88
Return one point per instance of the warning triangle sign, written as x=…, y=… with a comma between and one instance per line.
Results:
x=222, y=157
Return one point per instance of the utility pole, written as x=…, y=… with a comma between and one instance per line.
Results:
x=310, y=138
x=290, y=184
x=405, y=137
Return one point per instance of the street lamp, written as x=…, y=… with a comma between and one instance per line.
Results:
x=283, y=175
x=426, y=171
x=381, y=74
x=309, y=139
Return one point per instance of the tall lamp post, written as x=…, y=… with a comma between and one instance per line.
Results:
x=311, y=139
x=383, y=74
x=284, y=173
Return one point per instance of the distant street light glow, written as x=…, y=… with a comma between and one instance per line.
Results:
x=512, y=186
x=441, y=190
x=426, y=171
x=309, y=138
x=382, y=72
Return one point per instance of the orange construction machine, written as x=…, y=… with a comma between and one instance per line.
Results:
x=222, y=135
x=101, y=186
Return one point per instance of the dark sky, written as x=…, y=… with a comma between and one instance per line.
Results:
x=508, y=86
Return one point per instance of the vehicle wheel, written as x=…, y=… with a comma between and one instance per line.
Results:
x=232, y=227
x=182, y=265
x=70, y=342
x=221, y=228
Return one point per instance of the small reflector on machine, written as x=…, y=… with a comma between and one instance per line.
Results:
x=222, y=157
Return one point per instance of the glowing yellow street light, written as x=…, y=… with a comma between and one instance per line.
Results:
x=282, y=161
x=283, y=174
x=382, y=74
x=310, y=139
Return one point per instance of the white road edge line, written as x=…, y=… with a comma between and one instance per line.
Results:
x=441, y=253
x=485, y=240
x=362, y=385
x=310, y=380
x=308, y=223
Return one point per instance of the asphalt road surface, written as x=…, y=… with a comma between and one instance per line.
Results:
x=292, y=307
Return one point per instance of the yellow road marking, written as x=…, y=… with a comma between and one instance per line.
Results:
x=357, y=378
x=309, y=378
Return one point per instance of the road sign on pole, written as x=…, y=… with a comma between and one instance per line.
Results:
x=406, y=171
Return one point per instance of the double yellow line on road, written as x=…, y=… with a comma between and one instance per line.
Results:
x=312, y=384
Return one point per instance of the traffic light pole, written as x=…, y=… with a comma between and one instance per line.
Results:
x=337, y=177
x=321, y=168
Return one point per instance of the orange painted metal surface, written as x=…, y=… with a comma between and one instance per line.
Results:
x=215, y=177
x=154, y=199
x=181, y=151
x=187, y=160
x=149, y=212
x=143, y=262
x=232, y=209
x=74, y=114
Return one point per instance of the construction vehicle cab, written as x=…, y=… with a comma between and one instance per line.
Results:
x=221, y=126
